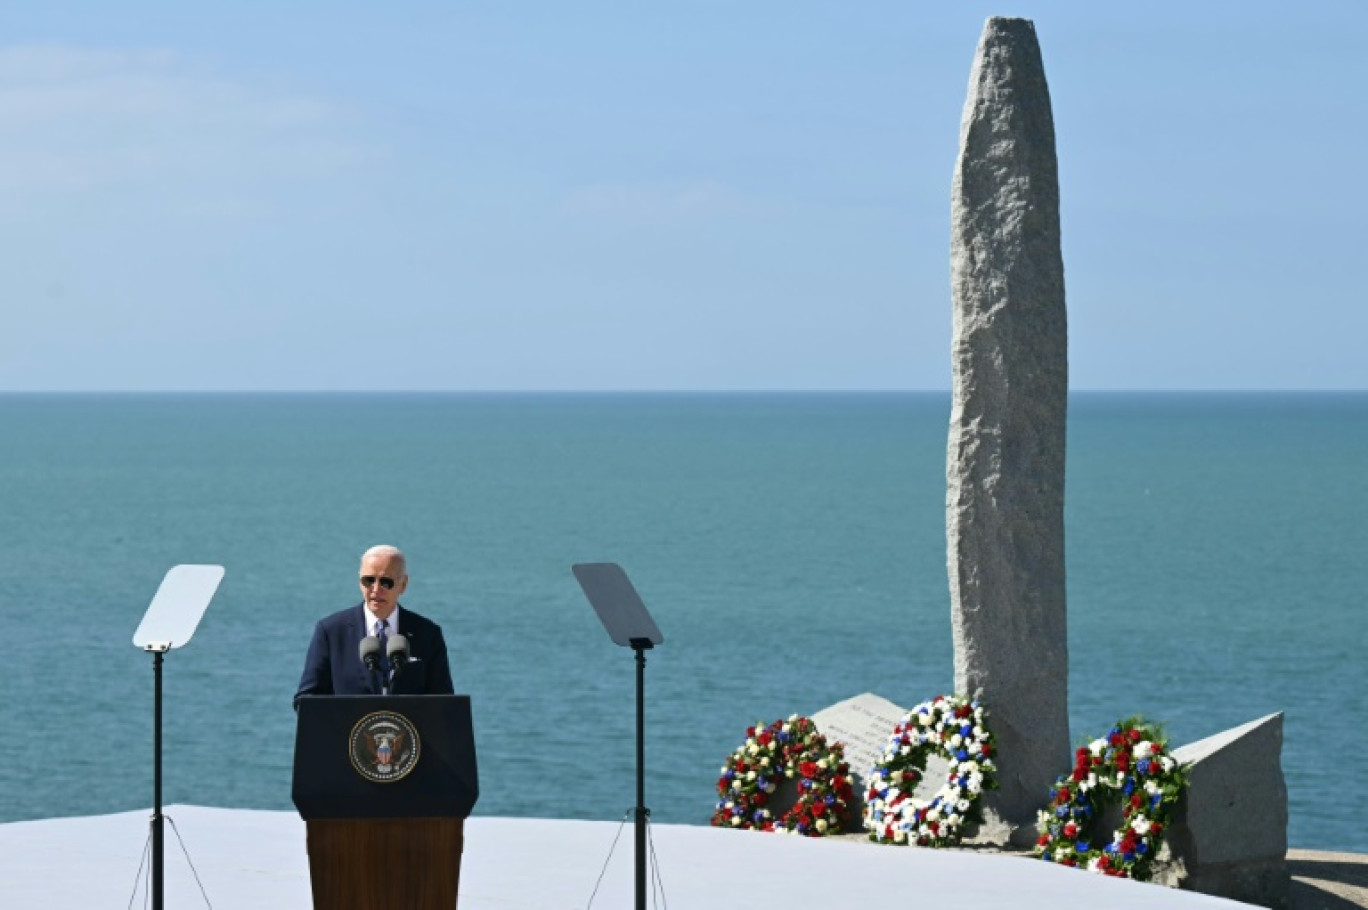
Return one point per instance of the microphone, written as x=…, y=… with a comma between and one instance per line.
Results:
x=370, y=653
x=398, y=652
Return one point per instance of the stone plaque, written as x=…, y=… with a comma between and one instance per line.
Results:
x=863, y=724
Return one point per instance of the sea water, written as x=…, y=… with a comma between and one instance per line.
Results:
x=791, y=547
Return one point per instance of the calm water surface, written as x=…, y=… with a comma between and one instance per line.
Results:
x=791, y=548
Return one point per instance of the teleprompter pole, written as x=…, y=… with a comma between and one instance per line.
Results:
x=158, y=826
x=640, y=645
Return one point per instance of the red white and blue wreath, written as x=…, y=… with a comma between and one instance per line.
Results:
x=786, y=749
x=955, y=728
x=1130, y=766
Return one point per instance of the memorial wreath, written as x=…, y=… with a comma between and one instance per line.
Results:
x=1130, y=766
x=786, y=749
x=949, y=726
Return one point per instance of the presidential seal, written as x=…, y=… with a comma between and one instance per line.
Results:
x=384, y=747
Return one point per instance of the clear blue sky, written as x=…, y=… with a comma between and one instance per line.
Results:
x=702, y=195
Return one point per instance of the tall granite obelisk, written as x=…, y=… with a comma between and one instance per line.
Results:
x=1005, y=466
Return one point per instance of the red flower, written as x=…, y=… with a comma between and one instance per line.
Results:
x=1123, y=761
x=742, y=767
x=1104, y=862
x=1080, y=774
x=1136, y=801
x=1070, y=829
x=819, y=809
x=987, y=749
x=1068, y=861
x=1136, y=736
x=1097, y=760
x=750, y=731
x=1156, y=829
x=1115, y=739
x=808, y=769
x=1042, y=840
x=760, y=798
x=766, y=738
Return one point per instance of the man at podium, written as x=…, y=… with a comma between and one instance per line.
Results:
x=333, y=665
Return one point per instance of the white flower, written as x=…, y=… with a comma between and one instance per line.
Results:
x=822, y=763
x=1092, y=865
x=822, y=824
x=764, y=762
x=899, y=836
x=1097, y=746
x=1151, y=787
x=750, y=775
x=1143, y=749
x=963, y=805
x=736, y=784
x=924, y=720
x=1167, y=762
x=1141, y=826
x=724, y=769
x=975, y=785
x=1092, y=780
x=736, y=819
x=969, y=767
x=954, y=819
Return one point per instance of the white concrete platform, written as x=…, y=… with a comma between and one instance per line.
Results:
x=256, y=859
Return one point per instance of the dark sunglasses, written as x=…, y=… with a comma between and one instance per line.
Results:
x=385, y=581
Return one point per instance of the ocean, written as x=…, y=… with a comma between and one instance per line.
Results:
x=791, y=547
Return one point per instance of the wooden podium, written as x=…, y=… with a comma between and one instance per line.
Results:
x=384, y=784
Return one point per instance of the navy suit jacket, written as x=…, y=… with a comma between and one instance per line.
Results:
x=333, y=665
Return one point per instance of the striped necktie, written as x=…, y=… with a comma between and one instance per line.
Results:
x=381, y=627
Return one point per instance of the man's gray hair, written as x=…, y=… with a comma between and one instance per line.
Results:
x=385, y=550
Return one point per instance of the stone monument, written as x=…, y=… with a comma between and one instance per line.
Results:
x=1005, y=465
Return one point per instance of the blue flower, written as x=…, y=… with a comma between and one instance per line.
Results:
x=1062, y=811
x=1047, y=856
x=962, y=755
x=965, y=730
x=1143, y=766
x=1130, y=787
x=1081, y=846
x=1129, y=857
x=1142, y=848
